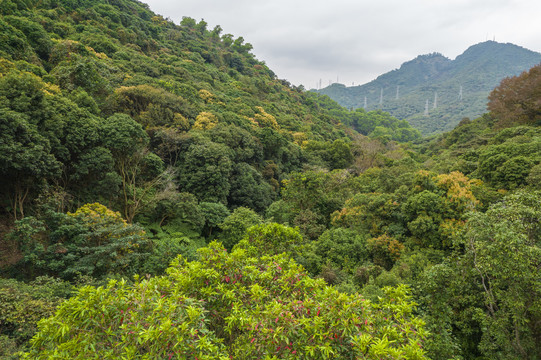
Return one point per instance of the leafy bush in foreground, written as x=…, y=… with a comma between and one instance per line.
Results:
x=230, y=305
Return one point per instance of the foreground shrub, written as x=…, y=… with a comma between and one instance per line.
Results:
x=230, y=305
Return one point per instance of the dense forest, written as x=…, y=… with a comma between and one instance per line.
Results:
x=163, y=195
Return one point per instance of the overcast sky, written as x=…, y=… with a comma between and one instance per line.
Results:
x=355, y=41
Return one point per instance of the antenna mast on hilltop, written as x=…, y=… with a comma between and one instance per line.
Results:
x=460, y=94
x=435, y=100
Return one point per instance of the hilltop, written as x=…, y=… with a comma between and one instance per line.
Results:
x=449, y=89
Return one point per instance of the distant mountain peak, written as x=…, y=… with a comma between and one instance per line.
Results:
x=461, y=86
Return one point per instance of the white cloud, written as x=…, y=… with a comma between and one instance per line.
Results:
x=305, y=40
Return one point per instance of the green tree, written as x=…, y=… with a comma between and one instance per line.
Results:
x=26, y=161
x=342, y=247
x=231, y=305
x=205, y=172
x=92, y=241
x=235, y=225
x=214, y=215
x=340, y=156
x=22, y=305
x=144, y=181
x=248, y=188
x=272, y=239
x=118, y=324
x=35, y=35
x=503, y=247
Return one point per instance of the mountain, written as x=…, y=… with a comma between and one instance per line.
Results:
x=128, y=142
x=434, y=93
x=86, y=86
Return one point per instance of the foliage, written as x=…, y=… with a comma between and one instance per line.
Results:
x=180, y=128
x=23, y=305
x=206, y=172
x=235, y=225
x=91, y=92
x=516, y=99
x=214, y=215
x=231, y=305
x=503, y=248
x=169, y=242
x=92, y=241
x=385, y=250
x=272, y=239
x=112, y=322
x=508, y=164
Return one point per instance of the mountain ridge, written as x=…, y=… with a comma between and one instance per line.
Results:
x=448, y=90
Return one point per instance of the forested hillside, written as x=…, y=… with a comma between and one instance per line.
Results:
x=434, y=93
x=164, y=195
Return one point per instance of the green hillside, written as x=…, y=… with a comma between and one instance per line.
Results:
x=69, y=68
x=164, y=196
x=434, y=82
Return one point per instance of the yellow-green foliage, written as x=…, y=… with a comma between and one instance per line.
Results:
x=263, y=119
x=205, y=121
x=230, y=305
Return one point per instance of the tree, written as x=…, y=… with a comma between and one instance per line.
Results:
x=507, y=165
x=371, y=213
x=22, y=305
x=272, y=239
x=205, y=172
x=143, y=178
x=214, y=215
x=92, y=241
x=29, y=156
x=205, y=121
x=231, y=305
x=150, y=106
x=235, y=225
x=385, y=250
x=26, y=161
x=248, y=188
x=119, y=325
x=503, y=247
x=516, y=99
x=337, y=248
x=34, y=33
x=339, y=155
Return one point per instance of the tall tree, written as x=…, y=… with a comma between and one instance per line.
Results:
x=517, y=99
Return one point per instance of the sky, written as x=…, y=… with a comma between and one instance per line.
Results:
x=353, y=42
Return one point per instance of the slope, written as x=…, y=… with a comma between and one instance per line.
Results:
x=190, y=88
x=434, y=93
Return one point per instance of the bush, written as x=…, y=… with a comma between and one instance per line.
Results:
x=230, y=306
